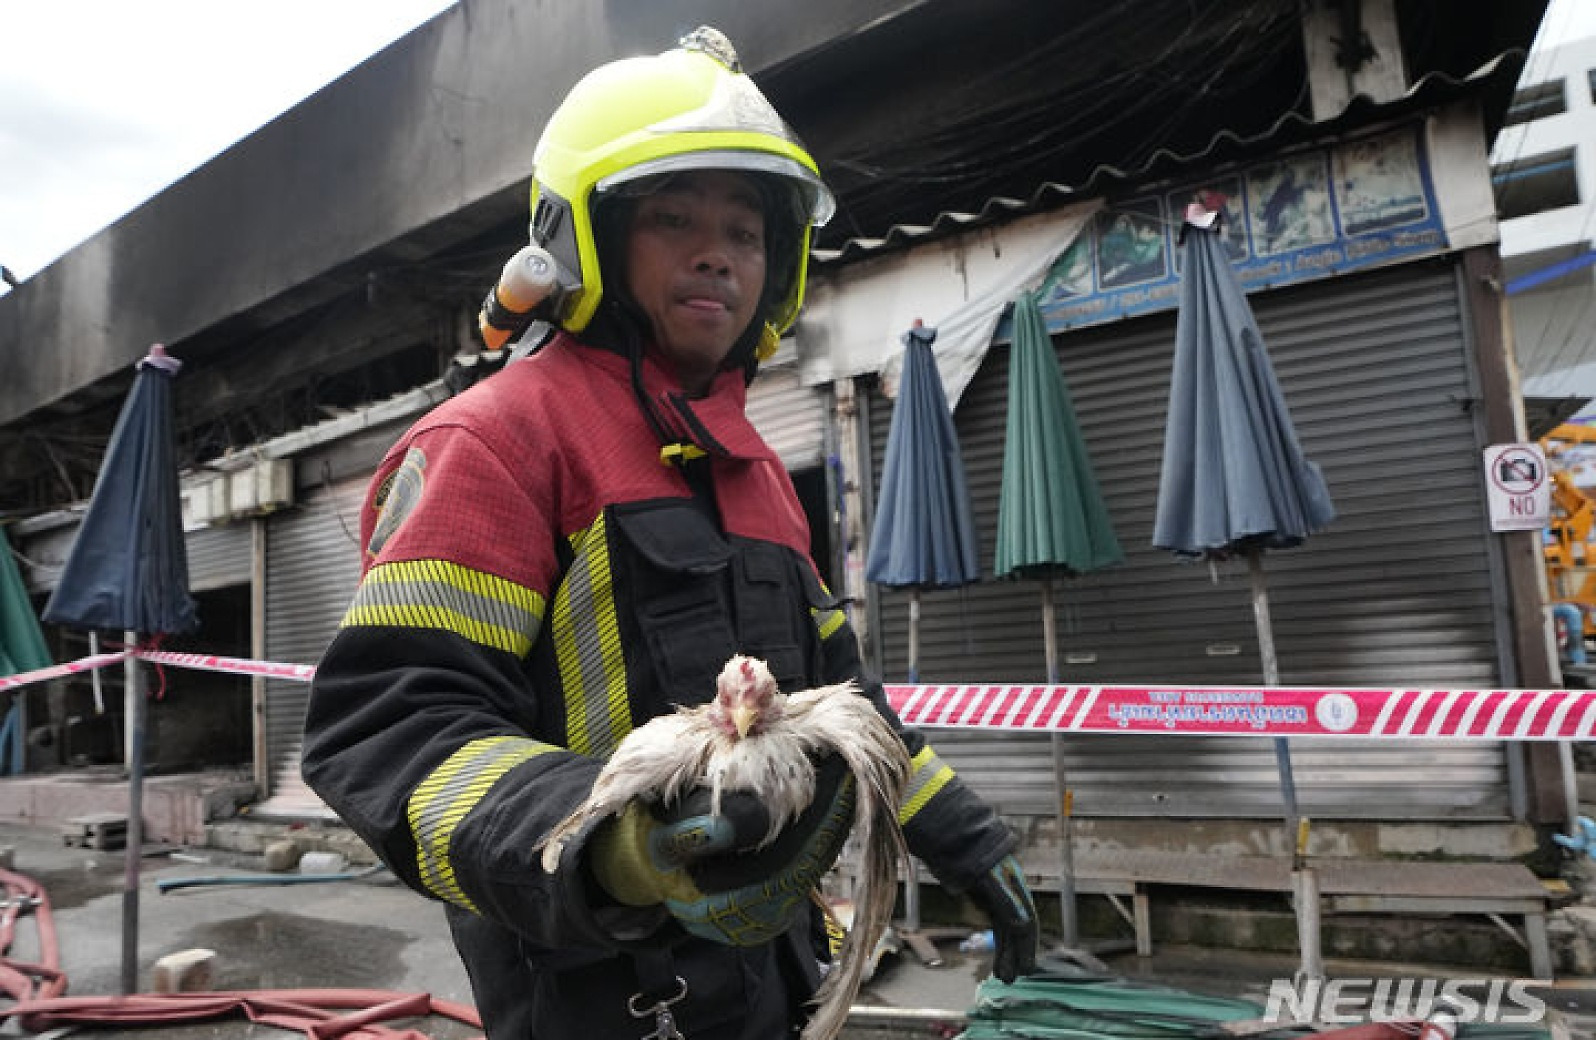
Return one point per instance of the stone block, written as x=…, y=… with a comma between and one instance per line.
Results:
x=282, y=854
x=188, y=971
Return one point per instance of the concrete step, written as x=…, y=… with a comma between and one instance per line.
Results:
x=176, y=808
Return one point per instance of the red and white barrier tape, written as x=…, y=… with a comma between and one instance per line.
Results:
x=56, y=671
x=233, y=665
x=1406, y=714
x=204, y=662
x=1253, y=711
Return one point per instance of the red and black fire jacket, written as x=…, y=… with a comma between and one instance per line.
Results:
x=538, y=582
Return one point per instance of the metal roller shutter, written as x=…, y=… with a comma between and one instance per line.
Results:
x=1397, y=591
x=312, y=568
x=790, y=417
x=218, y=556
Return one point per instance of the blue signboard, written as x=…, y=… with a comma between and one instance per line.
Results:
x=1290, y=219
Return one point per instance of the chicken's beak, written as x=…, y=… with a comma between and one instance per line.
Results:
x=743, y=717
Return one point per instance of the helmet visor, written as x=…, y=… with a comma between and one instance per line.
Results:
x=813, y=199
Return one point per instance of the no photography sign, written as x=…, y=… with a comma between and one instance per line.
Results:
x=1517, y=487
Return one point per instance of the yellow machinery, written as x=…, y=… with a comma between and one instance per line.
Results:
x=1569, y=551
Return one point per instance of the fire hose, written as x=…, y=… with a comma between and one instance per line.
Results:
x=321, y=1014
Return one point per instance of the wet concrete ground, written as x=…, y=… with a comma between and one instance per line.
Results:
x=370, y=933
x=373, y=933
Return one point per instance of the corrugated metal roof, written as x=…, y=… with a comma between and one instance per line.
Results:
x=1429, y=91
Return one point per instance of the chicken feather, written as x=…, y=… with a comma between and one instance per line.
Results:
x=753, y=738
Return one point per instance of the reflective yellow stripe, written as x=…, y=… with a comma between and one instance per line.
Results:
x=587, y=648
x=440, y=595
x=929, y=776
x=827, y=621
x=445, y=797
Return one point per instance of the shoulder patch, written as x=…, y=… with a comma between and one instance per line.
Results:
x=396, y=498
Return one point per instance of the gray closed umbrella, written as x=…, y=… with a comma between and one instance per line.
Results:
x=128, y=570
x=1234, y=479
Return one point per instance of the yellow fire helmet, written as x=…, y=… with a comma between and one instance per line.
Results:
x=689, y=108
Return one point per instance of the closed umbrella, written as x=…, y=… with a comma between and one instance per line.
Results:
x=1234, y=479
x=1052, y=520
x=128, y=570
x=924, y=535
x=1051, y=517
x=22, y=649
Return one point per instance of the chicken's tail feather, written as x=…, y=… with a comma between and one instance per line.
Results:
x=881, y=767
x=883, y=849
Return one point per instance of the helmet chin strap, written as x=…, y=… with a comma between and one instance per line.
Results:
x=618, y=317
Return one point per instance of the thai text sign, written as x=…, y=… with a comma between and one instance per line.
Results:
x=1313, y=214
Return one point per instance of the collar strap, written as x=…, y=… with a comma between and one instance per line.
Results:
x=680, y=453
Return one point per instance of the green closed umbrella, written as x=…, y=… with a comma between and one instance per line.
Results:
x=22, y=648
x=1051, y=518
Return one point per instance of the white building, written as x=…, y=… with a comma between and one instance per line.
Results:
x=1543, y=169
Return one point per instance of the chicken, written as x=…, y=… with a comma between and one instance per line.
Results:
x=753, y=738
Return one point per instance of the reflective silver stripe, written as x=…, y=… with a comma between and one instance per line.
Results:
x=449, y=794
x=930, y=775
x=587, y=647
x=441, y=595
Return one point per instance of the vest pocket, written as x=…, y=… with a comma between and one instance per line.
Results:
x=676, y=566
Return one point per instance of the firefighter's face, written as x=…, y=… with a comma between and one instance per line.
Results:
x=695, y=264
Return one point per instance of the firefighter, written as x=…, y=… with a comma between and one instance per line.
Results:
x=578, y=543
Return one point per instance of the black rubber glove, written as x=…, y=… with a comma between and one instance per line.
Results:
x=708, y=871
x=1003, y=896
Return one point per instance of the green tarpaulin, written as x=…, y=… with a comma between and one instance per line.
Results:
x=22, y=648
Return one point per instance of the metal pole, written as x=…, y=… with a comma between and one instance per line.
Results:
x=1049, y=632
x=1066, y=847
x=1271, y=677
x=1304, y=882
x=135, y=821
x=914, y=634
x=260, y=751
x=1061, y=792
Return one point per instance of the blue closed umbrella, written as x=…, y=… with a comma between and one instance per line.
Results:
x=1234, y=479
x=128, y=570
x=924, y=534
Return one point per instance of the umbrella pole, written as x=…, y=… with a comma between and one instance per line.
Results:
x=135, y=822
x=914, y=634
x=1049, y=631
x=1271, y=677
x=1061, y=792
x=1304, y=882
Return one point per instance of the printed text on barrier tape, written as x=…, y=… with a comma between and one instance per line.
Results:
x=1253, y=711
x=233, y=665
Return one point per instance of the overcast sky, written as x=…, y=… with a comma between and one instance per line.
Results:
x=105, y=102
